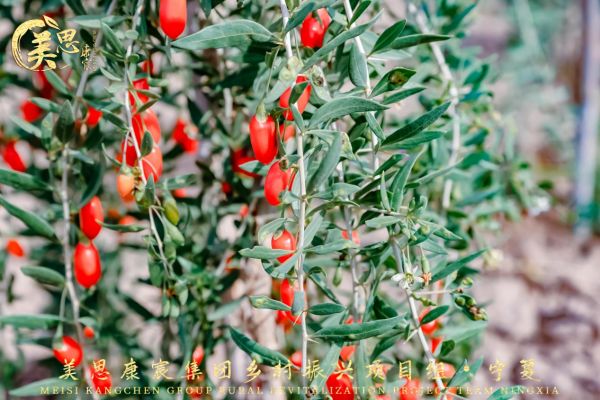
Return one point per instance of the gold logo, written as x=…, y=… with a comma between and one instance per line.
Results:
x=49, y=42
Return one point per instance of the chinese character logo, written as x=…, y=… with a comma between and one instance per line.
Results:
x=45, y=51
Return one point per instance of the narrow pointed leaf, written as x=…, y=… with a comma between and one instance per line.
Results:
x=22, y=181
x=355, y=332
x=332, y=157
x=388, y=37
x=31, y=220
x=337, y=41
x=343, y=106
x=418, y=125
x=404, y=42
x=357, y=67
x=261, y=354
x=400, y=180
x=235, y=33
x=446, y=270
x=268, y=303
x=44, y=275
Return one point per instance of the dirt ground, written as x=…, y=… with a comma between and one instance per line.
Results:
x=544, y=307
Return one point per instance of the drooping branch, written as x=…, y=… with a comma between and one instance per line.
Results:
x=66, y=210
x=134, y=142
x=413, y=309
x=302, y=207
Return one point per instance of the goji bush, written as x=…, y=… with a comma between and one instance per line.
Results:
x=355, y=155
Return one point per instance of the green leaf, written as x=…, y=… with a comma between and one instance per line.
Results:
x=56, y=82
x=326, y=309
x=341, y=106
x=46, y=104
x=298, y=17
x=94, y=21
x=400, y=180
x=465, y=373
x=138, y=308
x=268, y=303
x=336, y=42
x=363, y=378
x=93, y=177
x=434, y=174
x=123, y=228
x=328, y=364
x=445, y=270
x=112, y=39
x=463, y=331
x=147, y=143
x=388, y=36
x=447, y=347
x=270, y=228
x=261, y=354
x=282, y=271
x=355, y=332
x=38, y=321
x=417, y=125
x=374, y=125
x=357, y=67
x=458, y=18
x=383, y=221
x=327, y=166
x=64, y=128
x=22, y=181
x=76, y=6
x=297, y=91
x=359, y=10
x=415, y=141
x=35, y=389
x=383, y=193
x=401, y=95
x=298, y=303
x=330, y=247
x=312, y=229
x=390, y=162
x=181, y=181
x=207, y=6
x=263, y=253
x=417, y=39
x=434, y=314
x=31, y=220
x=45, y=131
x=27, y=127
x=115, y=120
x=236, y=33
x=44, y=275
x=394, y=79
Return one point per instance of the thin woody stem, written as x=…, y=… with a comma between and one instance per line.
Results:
x=302, y=208
x=413, y=311
x=136, y=145
x=454, y=100
x=66, y=209
x=374, y=164
x=75, y=304
x=285, y=15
